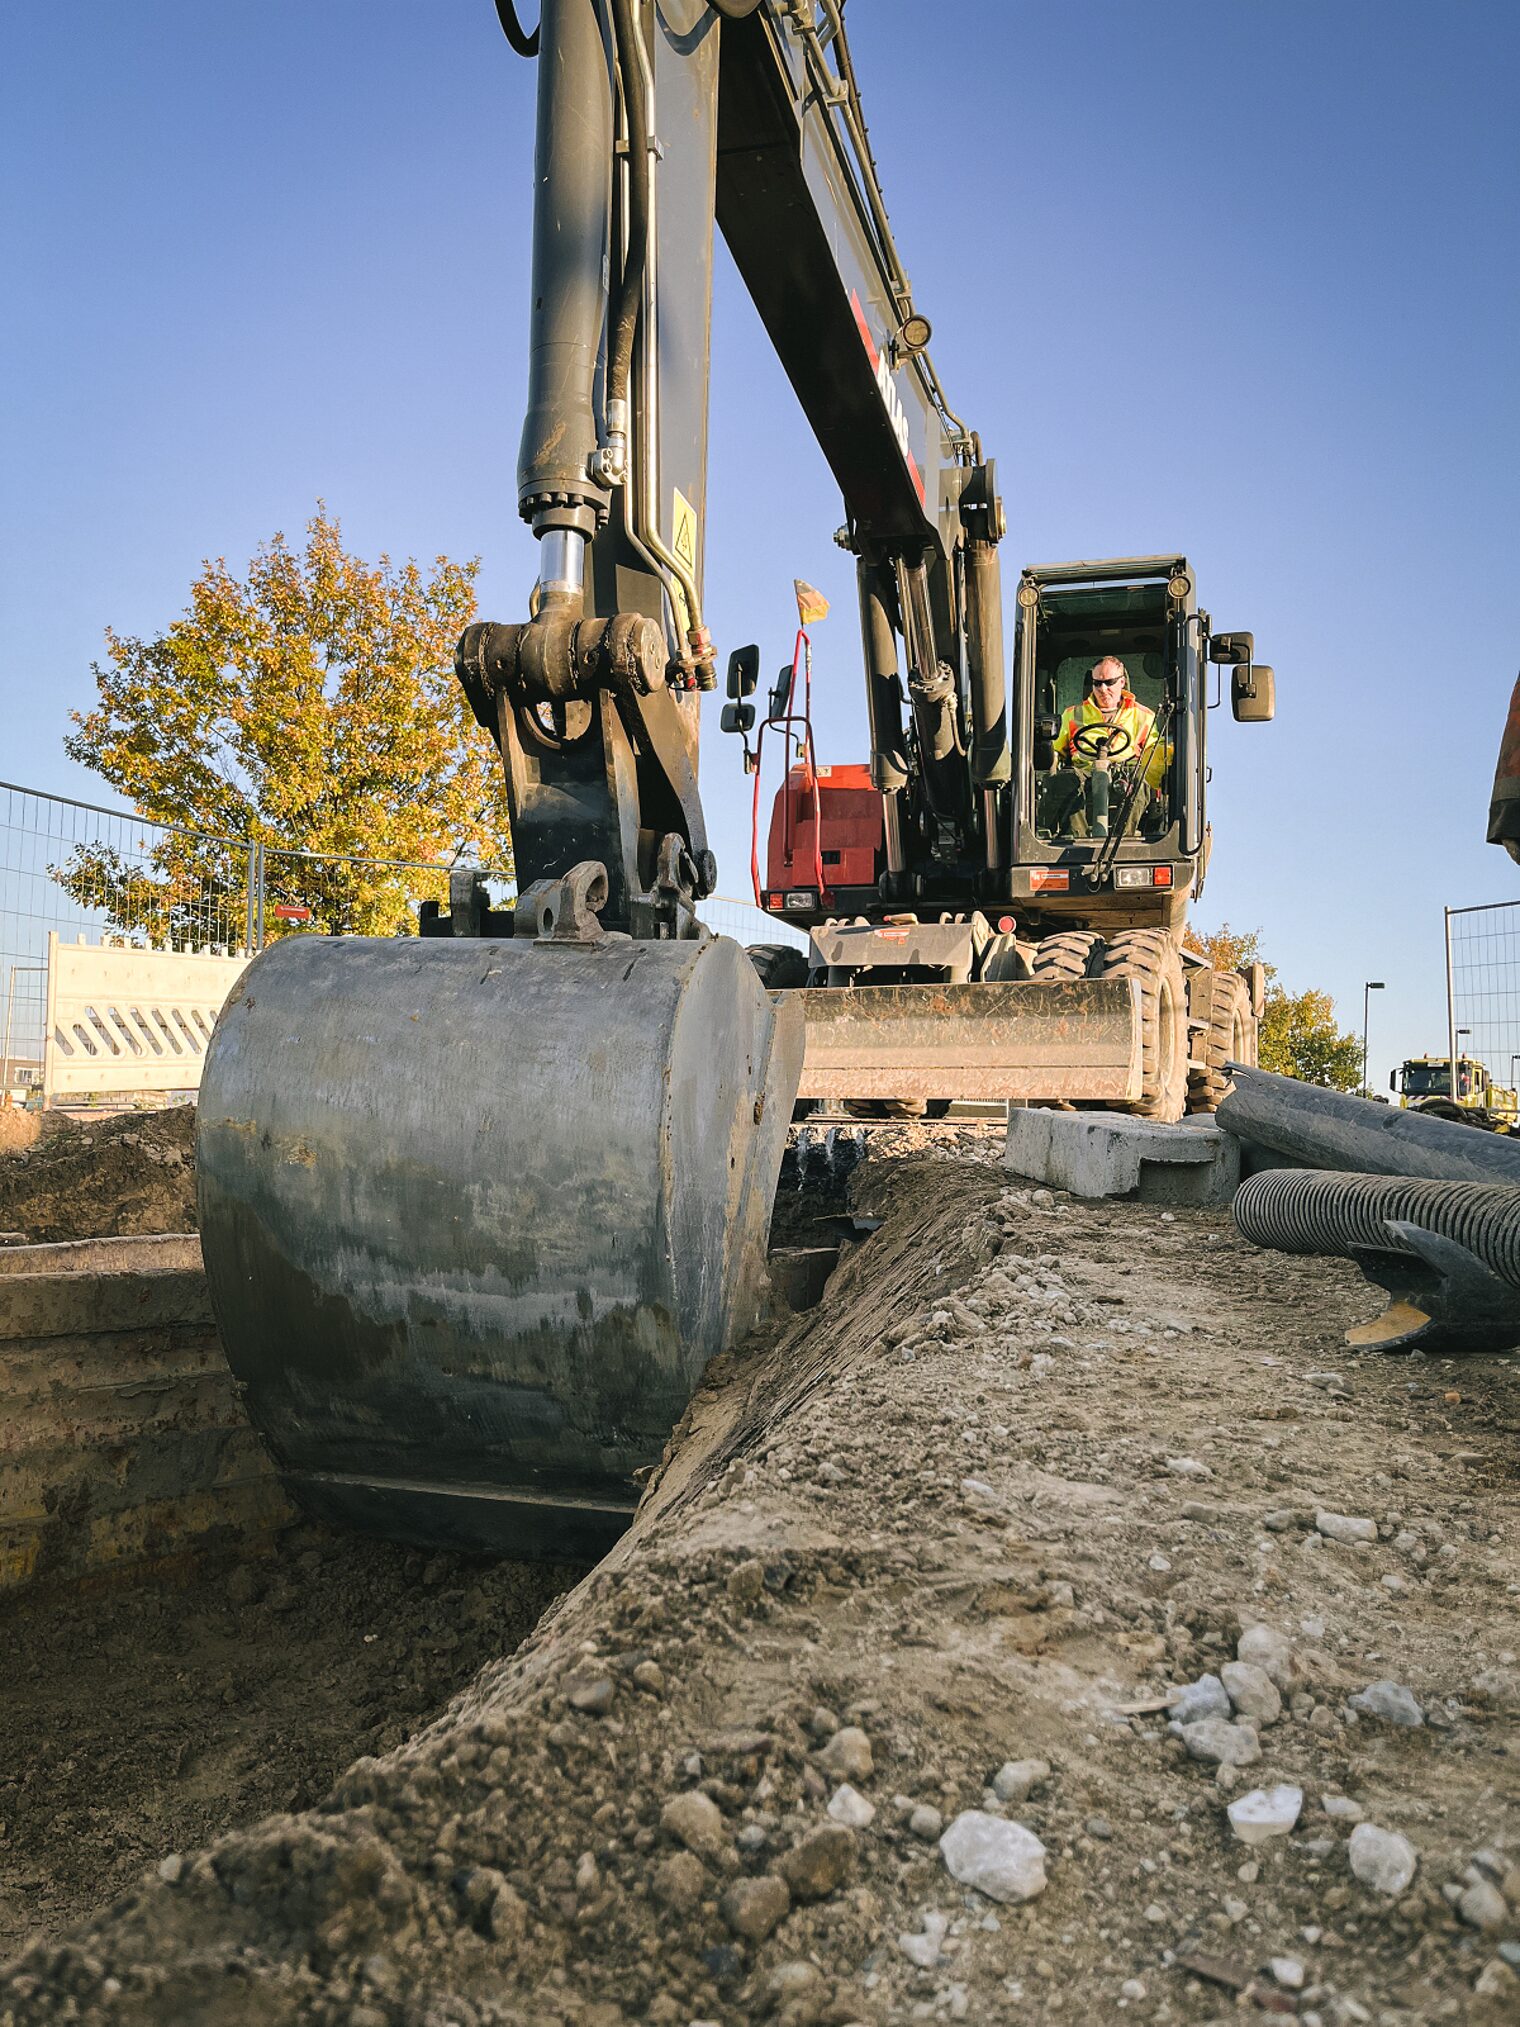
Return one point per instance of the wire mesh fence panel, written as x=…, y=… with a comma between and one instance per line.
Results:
x=88, y=873
x=91, y=874
x=1485, y=987
x=746, y=923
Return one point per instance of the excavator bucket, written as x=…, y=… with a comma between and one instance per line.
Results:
x=1030, y=1040
x=475, y=1215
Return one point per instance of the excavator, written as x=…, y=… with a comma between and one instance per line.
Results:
x=478, y=1206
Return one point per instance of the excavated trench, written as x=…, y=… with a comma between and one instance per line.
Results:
x=186, y=1656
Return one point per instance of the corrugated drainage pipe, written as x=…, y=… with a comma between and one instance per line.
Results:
x=1310, y=1211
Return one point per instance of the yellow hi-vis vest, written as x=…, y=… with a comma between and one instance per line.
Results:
x=1133, y=717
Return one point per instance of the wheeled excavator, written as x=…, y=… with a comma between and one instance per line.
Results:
x=478, y=1206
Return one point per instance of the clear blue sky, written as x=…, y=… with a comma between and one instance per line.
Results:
x=1239, y=279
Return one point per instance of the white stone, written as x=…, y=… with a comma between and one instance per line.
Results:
x=1343, y=1807
x=1214, y=1740
x=1252, y=1693
x=1389, y=1701
x=1016, y=1780
x=1289, y=1973
x=1483, y=1906
x=1345, y=1527
x=924, y=1949
x=1187, y=1467
x=1382, y=1859
x=1265, y=1813
x=1267, y=1649
x=1001, y=1859
x=848, y=1806
x=1207, y=1697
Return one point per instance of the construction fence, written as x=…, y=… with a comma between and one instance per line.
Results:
x=1483, y=987
x=89, y=894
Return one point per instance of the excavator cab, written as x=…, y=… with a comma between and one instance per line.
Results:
x=1141, y=784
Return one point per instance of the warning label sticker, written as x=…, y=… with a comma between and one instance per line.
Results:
x=683, y=543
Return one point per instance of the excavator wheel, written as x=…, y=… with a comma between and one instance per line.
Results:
x=476, y=1213
x=1152, y=959
x=780, y=966
x=1222, y=1001
x=1068, y=955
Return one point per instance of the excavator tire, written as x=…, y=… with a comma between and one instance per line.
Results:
x=1068, y=955
x=1222, y=1001
x=781, y=966
x=1152, y=959
x=476, y=1213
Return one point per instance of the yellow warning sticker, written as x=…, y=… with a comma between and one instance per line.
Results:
x=684, y=530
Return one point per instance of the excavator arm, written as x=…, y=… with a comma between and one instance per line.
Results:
x=652, y=123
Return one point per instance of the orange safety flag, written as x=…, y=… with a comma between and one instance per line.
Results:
x=811, y=604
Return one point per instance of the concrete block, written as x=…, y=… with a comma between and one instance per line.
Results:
x=1109, y=1154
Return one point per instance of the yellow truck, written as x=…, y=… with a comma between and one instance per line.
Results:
x=1423, y=1084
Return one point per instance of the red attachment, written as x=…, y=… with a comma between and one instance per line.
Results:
x=827, y=829
x=802, y=653
x=832, y=818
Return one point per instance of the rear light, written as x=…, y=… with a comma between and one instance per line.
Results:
x=1162, y=877
x=1143, y=876
x=801, y=897
x=1049, y=880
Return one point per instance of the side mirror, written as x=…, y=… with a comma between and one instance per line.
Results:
x=737, y=717
x=1253, y=694
x=1232, y=650
x=1393, y=1080
x=781, y=692
x=743, y=671
x=1046, y=729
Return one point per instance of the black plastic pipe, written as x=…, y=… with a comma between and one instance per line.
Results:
x=1327, y=1129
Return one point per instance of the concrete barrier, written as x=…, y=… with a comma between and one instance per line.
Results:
x=1109, y=1154
x=122, y=1438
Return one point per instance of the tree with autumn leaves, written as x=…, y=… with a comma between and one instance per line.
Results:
x=1298, y=1034
x=308, y=705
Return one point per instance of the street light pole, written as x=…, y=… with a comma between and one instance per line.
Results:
x=1369, y=987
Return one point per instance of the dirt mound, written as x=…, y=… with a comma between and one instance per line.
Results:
x=18, y=1129
x=120, y=1177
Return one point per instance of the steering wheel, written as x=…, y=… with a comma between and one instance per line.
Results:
x=1093, y=741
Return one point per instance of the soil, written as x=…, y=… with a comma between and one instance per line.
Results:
x=119, y=1177
x=152, y=1719
x=1028, y=1469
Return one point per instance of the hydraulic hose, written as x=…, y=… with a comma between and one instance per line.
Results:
x=624, y=317
x=1296, y=1210
x=524, y=43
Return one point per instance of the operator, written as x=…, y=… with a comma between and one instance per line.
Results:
x=1109, y=717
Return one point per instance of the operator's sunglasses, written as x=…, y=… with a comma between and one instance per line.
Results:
x=1107, y=682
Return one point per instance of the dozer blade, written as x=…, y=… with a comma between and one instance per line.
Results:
x=1030, y=1040
x=476, y=1214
